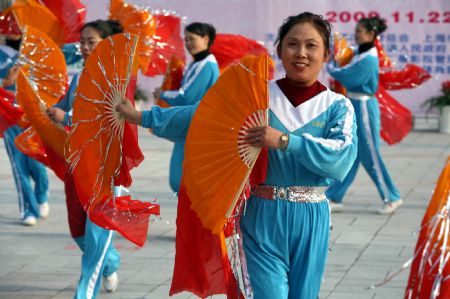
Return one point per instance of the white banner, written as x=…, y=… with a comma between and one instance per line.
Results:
x=417, y=29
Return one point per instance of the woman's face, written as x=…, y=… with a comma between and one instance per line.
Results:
x=363, y=36
x=89, y=38
x=195, y=43
x=303, y=54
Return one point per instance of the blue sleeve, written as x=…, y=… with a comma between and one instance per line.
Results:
x=72, y=53
x=192, y=92
x=169, y=123
x=66, y=103
x=333, y=155
x=355, y=73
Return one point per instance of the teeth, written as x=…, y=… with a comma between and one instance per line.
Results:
x=300, y=64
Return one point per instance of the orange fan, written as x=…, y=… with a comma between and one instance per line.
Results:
x=343, y=54
x=172, y=78
x=137, y=21
x=32, y=13
x=219, y=125
x=431, y=268
x=43, y=63
x=99, y=151
x=53, y=136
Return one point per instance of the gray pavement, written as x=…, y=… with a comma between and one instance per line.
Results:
x=43, y=261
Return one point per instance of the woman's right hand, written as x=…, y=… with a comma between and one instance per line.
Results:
x=56, y=114
x=128, y=112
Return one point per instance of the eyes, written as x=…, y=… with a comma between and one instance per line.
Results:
x=308, y=45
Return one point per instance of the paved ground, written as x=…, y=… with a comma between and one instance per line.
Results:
x=43, y=261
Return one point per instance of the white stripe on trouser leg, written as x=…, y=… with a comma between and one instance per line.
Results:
x=373, y=152
x=18, y=181
x=94, y=277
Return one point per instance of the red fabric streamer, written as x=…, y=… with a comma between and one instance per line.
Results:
x=167, y=42
x=9, y=112
x=71, y=14
x=230, y=48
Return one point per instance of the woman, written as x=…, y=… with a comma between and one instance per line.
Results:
x=198, y=77
x=360, y=78
x=33, y=202
x=311, y=139
x=99, y=255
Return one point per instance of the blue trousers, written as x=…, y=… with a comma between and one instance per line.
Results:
x=100, y=258
x=286, y=246
x=24, y=170
x=368, y=121
x=176, y=166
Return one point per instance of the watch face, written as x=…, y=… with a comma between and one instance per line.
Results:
x=284, y=137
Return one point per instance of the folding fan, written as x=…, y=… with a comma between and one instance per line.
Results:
x=430, y=267
x=238, y=101
x=71, y=14
x=172, y=78
x=98, y=148
x=166, y=42
x=52, y=135
x=32, y=13
x=137, y=21
x=229, y=48
x=8, y=24
x=43, y=63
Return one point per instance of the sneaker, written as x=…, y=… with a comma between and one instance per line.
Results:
x=44, y=210
x=29, y=221
x=390, y=207
x=111, y=282
x=336, y=207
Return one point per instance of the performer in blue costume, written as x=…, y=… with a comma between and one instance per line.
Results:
x=360, y=78
x=311, y=139
x=198, y=77
x=100, y=257
x=33, y=202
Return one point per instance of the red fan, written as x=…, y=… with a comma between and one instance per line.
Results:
x=410, y=76
x=229, y=48
x=9, y=112
x=167, y=42
x=71, y=14
x=30, y=144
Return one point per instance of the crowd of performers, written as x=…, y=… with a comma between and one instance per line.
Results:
x=310, y=148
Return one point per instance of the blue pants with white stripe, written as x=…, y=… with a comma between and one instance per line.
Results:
x=368, y=120
x=286, y=246
x=24, y=170
x=100, y=258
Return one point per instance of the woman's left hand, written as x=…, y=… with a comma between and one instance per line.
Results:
x=264, y=136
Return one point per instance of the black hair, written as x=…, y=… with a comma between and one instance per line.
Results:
x=104, y=27
x=375, y=24
x=322, y=26
x=203, y=29
x=13, y=43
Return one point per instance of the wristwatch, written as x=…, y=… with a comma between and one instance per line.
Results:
x=284, y=141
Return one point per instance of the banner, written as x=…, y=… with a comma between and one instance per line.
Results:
x=417, y=29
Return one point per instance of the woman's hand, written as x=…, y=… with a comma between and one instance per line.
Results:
x=56, y=114
x=128, y=112
x=264, y=136
x=157, y=93
x=11, y=77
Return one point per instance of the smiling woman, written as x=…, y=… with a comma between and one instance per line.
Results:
x=309, y=140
